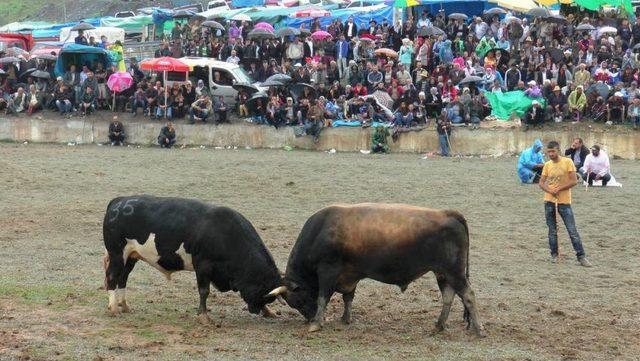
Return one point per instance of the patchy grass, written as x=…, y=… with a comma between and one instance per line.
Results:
x=53, y=199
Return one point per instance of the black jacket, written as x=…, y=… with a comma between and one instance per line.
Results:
x=584, y=152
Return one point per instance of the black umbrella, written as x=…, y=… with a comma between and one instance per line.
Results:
x=600, y=88
x=504, y=55
x=555, y=54
x=27, y=72
x=280, y=78
x=252, y=102
x=297, y=90
x=539, y=12
x=213, y=24
x=249, y=88
x=585, y=27
x=82, y=26
x=41, y=74
x=9, y=59
x=433, y=31
x=183, y=14
x=458, y=16
x=261, y=34
x=470, y=79
x=556, y=19
x=284, y=32
x=495, y=11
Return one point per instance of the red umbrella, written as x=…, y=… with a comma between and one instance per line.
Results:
x=311, y=13
x=119, y=82
x=164, y=65
x=321, y=35
x=368, y=36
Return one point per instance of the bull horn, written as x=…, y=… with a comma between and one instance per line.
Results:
x=281, y=300
x=278, y=291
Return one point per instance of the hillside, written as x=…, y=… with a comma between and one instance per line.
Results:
x=54, y=10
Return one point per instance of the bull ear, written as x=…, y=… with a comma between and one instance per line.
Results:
x=278, y=291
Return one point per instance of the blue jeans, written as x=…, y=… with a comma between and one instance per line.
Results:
x=64, y=106
x=444, y=145
x=135, y=104
x=160, y=112
x=193, y=113
x=569, y=221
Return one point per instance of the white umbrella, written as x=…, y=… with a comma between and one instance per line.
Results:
x=607, y=30
x=241, y=17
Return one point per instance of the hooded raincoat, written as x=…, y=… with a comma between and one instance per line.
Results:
x=528, y=159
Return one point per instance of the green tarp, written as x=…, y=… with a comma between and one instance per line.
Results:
x=596, y=4
x=504, y=104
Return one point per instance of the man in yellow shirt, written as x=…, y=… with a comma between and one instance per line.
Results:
x=558, y=177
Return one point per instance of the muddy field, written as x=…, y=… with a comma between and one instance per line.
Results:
x=52, y=200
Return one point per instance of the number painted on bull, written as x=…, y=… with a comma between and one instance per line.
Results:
x=127, y=209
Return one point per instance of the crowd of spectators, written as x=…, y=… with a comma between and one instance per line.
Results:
x=428, y=67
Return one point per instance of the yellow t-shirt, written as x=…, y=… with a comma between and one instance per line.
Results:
x=557, y=173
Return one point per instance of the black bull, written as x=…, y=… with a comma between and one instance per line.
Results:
x=174, y=234
x=395, y=244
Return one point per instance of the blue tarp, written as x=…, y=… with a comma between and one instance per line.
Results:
x=81, y=55
x=246, y=3
x=469, y=7
x=360, y=18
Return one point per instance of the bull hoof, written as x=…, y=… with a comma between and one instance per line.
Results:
x=479, y=332
x=315, y=327
x=113, y=311
x=204, y=319
x=346, y=320
x=124, y=307
x=267, y=313
x=440, y=327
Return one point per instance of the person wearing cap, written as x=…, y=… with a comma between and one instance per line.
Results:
x=615, y=107
x=577, y=102
x=597, y=167
x=557, y=107
x=534, y=116
x=558, y=177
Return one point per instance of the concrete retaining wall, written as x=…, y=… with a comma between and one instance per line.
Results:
x=468, y=142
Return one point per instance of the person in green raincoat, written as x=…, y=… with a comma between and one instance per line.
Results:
x=484, y=46
x=119, y=50
x=379, y=140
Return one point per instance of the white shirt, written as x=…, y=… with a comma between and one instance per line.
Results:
x=598, y=165
x=350, y=30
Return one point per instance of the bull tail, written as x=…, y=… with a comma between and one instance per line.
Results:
x=460, y=218
x=466, y=316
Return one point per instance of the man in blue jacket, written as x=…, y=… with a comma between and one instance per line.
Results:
x=531, y=163
x=342, y=55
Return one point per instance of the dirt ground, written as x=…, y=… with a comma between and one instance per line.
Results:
x=52, y=200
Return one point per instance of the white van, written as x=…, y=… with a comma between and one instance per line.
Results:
x=205, y=69
x=220, y=5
